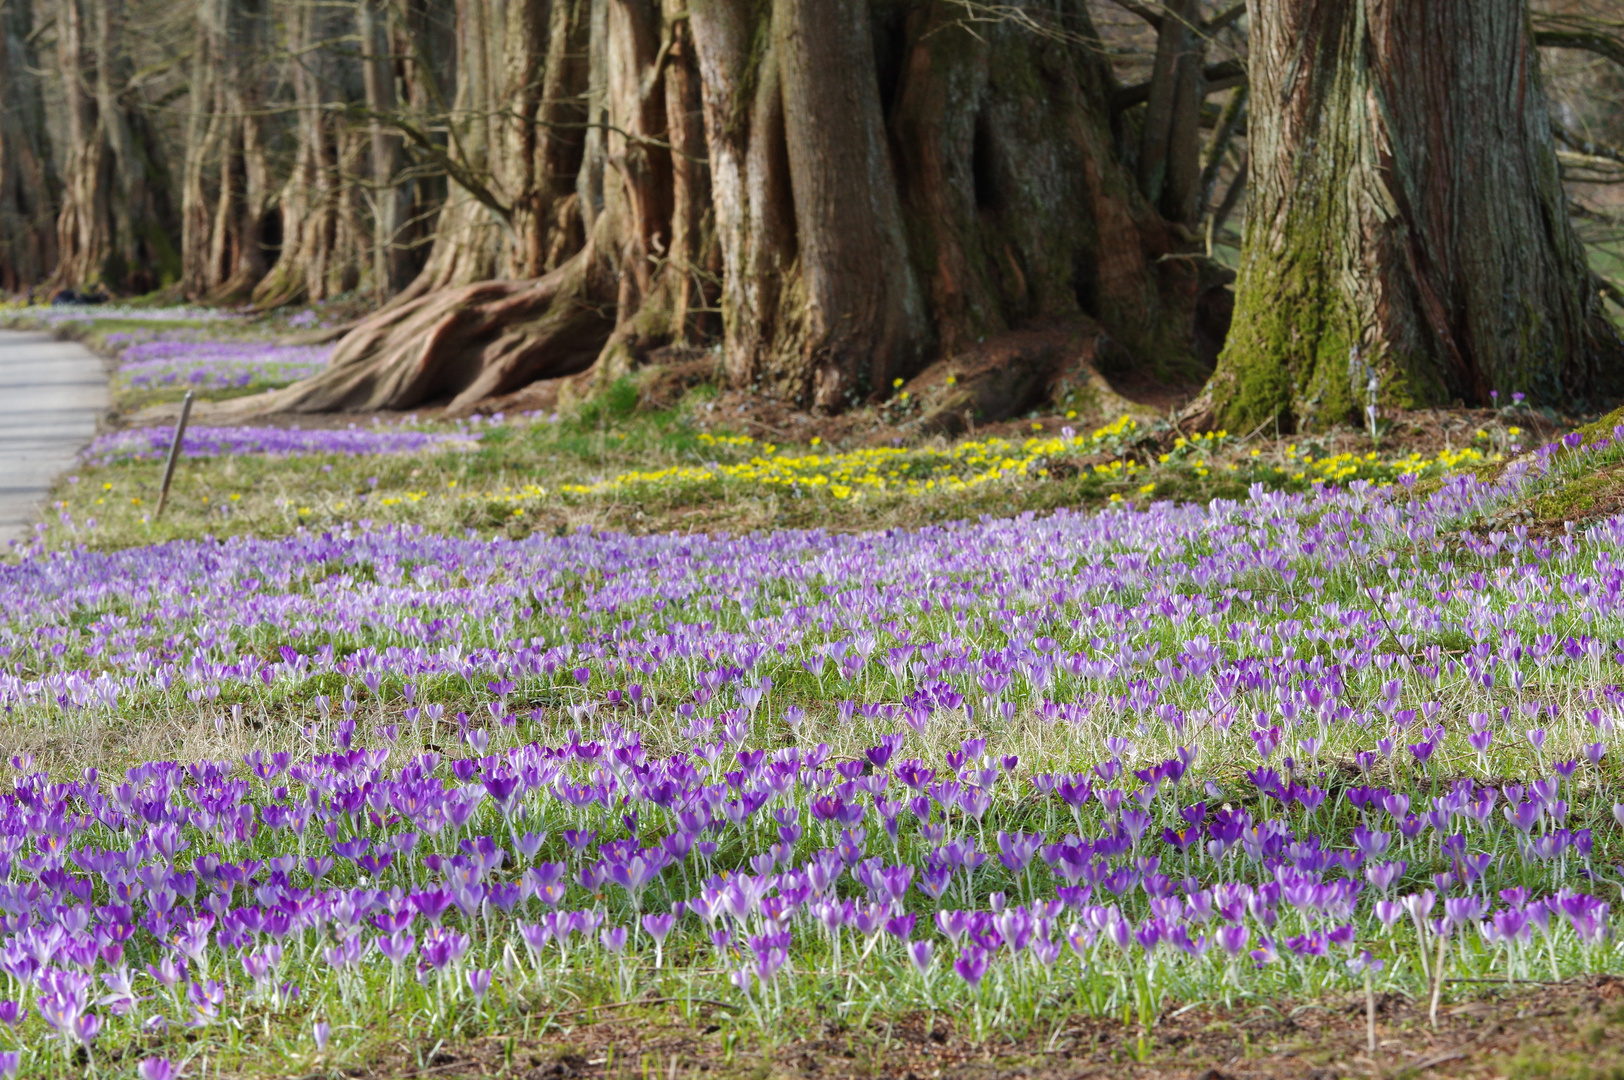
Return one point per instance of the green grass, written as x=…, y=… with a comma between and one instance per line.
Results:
x=540, y=475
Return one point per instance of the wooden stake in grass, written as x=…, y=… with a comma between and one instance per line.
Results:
x=1370, y=1014
x=174, y=454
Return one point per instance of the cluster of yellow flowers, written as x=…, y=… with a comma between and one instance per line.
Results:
x=404, y=497
x=912, y=472
x=877, y=469
x=1447, y=459
x=853, y=474
x=1335, y=468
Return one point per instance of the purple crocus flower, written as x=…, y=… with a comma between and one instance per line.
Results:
x=971, y=965
x=479, y=982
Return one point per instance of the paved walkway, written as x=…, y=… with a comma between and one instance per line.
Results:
x=51, y=395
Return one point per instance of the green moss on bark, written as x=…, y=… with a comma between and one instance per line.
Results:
x=1286, y=357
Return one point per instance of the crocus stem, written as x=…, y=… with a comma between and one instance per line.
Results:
x=1437, y=981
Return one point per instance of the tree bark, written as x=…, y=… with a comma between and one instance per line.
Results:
x=204, y=135
x=29, y=188
x=116, y=225
x=657, y=153
x=246, y=213
x=1406, y=213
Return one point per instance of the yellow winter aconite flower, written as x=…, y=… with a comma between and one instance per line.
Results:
x=1115, y=460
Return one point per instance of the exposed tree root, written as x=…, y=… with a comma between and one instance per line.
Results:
x=465, y=344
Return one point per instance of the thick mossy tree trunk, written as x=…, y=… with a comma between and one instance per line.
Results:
x=116, y=228
x=886, y=183
x=29, y=188
x=1407, y=214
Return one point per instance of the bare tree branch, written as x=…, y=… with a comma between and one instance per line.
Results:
x=1585, y=147
x=455, y=169
x=1220, y=76
x=1145, y=11
x=1592, y=41
x=1222, y=135
x=1152, y=14
x=1237, y=185
x=983, y=11
x=1225, y=17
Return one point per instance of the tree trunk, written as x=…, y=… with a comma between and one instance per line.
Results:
x=754, y=206
x=1169, y=146
x=205, y=126
x=1018, y=209
x=882, y=186
x=28, y=184
x=116, y=226
x=665, y=191
x=391, y=199
x=864, y=319
x=453, y=334
x=246, y=213
x=323, y=248
x=1407, y=214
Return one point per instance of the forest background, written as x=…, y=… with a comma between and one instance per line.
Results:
x=831, y=197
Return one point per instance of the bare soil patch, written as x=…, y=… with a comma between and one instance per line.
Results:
x=1552, y=1032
